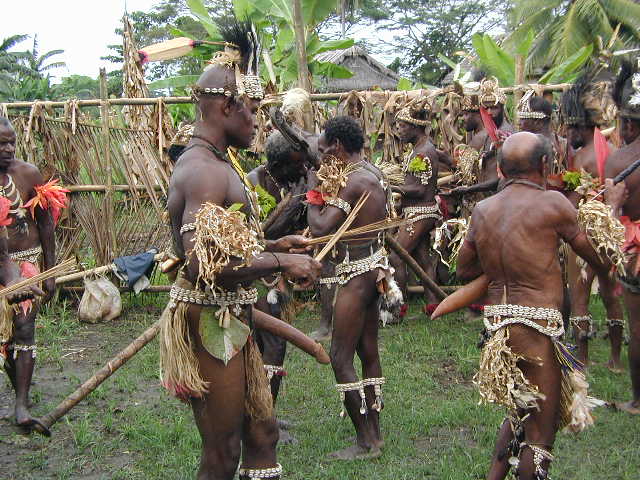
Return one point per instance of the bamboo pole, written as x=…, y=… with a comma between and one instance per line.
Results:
x=100, y=376
x=103, y=188
x=108, y=199
x=318, y=97
x=150, y=289
x=408, y=259
x=444, y=288
x=517, y=95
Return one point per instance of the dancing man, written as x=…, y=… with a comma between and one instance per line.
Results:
x=30, y=237
x=626, y=95
x=419, y=206
x=361, y=266
x=208, y=355
x=582, y=113
x=523, y=365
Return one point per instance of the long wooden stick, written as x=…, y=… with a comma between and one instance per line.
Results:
x=314, y=97
x=372, y=227
x=408, y=259
x=63, y=267
x=100, y=376
x=159, y=257
x=103, y=188
x=343, y=228
x=276, y=211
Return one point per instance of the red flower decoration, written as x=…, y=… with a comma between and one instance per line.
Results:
x=50, y=195
x=5, y=205
x=430, y=308
x=314, y=197
x=403, y=310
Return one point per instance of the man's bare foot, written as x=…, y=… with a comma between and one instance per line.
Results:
x=284, y=424
x=286, y=438
x=615, y=367
x=320, y=335
x=356, y=452
x=632, y=407
x=23, y=418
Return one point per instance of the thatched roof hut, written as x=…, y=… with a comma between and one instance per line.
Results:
x=368, y=73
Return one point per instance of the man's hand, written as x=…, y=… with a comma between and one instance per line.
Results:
x=26, y=293
x=456, y=192
x=303, y=268
x=290, y=244
x=49, y=289
x=312, y=179
x=615, y=195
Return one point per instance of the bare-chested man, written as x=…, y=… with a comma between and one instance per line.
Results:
x=523, y=366
x=207, y=354
x=360, y=264
x=581, y=117
x=30, y=238
x=626, y=95
x=534, y=115
x=284, y=172
x=419, y=206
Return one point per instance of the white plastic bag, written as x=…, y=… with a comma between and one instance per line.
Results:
x=100, y=301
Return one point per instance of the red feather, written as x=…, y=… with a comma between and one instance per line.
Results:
x=489, y=124
x=602, y=151
x=314, y=197
x=5, y=205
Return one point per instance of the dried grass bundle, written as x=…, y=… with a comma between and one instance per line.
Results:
x=450, y=235
x=392, y=173
x=221, y=235
x=333, y=175
x=604, y=231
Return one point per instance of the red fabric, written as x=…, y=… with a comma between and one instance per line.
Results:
x=180, y=392
x=430, y=308
x=602, y=151
x=49, y=196
x=5, y=205
x=444, y=209
x=403, y=310
x=27, y=270
x=314, y=197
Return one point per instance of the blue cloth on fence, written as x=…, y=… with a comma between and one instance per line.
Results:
x=133, y=267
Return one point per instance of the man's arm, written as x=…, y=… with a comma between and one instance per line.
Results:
x=468, y=266
x=413, y=190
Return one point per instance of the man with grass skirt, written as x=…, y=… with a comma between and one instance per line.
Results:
x=419, y=205
x=33, y=207
x=523, y=365
x=627, y=97
x=584, y=110
x=285, y=172
x=207, y=352
x=362, y=271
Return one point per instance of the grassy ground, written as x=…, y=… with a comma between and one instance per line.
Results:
x=130, y=429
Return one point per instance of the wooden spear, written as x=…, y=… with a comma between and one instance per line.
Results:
x=408, y=259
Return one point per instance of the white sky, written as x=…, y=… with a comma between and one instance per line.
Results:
x=82, y=28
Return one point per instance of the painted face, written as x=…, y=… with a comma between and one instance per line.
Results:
x=242, y=123
x=471, y=120
x=7, y=145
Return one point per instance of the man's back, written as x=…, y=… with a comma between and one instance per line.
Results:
x=620, y=160
x=507, y=228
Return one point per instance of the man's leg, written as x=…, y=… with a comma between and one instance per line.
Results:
x=348, y=326
x=326, y=294
x=259, y=442
x=581, y=320
x=21, y=362
x=615, y=321
x=371, y=370
x=632, y=303
x=540, y=426
x=219, y=415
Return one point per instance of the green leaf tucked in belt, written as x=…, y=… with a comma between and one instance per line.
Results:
x=222, y=343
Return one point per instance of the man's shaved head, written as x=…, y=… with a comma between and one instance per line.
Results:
x=523, y=153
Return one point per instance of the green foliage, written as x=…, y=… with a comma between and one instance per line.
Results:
x=417, y=164
x=494, y=59
x=572, y=179
x=420, y=31
x=570, y=69
x=564, y=27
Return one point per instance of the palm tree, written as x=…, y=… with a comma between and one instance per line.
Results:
x=562, y=27
x=37, y=64
x=10, y=61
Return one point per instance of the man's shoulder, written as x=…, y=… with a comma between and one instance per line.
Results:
x=26, y=170
x=254, y=176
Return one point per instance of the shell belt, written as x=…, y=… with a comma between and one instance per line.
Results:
x=347, y=270
x=223, y=299
x=415, y=214
x=500, y=316
x=31, y=255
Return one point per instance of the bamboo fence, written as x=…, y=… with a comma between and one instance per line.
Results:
x=118, y=171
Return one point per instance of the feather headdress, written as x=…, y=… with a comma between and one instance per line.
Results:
x=626, y=91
